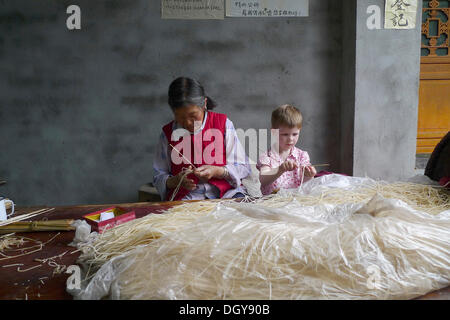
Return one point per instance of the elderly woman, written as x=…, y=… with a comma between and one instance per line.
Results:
x=189, y=164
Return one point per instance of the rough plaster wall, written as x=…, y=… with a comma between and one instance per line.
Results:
x=80, y=111
x=386, y=98
x=348, y=85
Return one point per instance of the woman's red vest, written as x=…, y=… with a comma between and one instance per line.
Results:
x=213, y=121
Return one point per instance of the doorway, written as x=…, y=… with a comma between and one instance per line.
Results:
x=434, y=88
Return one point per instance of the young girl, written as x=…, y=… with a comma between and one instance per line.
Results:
x=284, y=165
x=189, y=164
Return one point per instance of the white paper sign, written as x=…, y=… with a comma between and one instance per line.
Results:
x=400, y=14
x=192, y=9
x=267, y=8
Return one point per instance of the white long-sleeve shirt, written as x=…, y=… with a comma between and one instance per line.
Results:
x=237, y=165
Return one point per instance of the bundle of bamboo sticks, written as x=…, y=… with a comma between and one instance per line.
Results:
x=25, y=216
x=35, y=226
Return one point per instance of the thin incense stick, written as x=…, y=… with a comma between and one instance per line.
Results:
x=25, y=216
x=182, y=155
x=321, y=165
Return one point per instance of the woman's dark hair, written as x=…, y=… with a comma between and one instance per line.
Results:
x=186, y=91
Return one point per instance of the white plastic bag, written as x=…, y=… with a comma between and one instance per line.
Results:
x=377, y=249
x=83, y=233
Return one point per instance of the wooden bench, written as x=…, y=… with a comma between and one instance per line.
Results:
x=148, y=193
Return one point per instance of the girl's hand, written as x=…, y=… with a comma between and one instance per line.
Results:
x=310, y=171
x=208, y=172
x=187, y=183
x=288, y=165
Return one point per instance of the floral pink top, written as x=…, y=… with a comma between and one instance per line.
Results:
x=289, y=179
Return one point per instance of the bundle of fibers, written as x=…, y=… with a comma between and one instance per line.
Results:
x=8, y=241
x=125, y=237
x=332, y=189
x=377, y=249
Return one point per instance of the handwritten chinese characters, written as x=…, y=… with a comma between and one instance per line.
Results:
x=267, y=8
x=192, y=9
x=400, y=14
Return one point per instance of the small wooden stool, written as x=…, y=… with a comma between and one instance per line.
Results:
x=148, y=192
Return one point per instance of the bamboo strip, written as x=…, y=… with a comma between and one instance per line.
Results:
x=182, y=155
x=321, y=165
x=25, y=270
x=33, y=226
x=40, y=245
x=23, y=254
x=51, y=258
x=25, y=216
x=12, y=265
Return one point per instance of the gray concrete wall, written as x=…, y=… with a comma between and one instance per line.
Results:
x=80, y=110
x=347, y=116
x=386, y=98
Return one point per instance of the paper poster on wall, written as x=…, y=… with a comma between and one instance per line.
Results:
x=400, y=14
x=192, y=9
x=267, y=8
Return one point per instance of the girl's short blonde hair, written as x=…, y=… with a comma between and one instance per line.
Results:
x=288, y=116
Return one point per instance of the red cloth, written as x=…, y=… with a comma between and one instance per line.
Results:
x=324, y=173
x=445, y=182
x=201, y=140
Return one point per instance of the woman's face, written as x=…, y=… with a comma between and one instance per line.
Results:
x=189, y=117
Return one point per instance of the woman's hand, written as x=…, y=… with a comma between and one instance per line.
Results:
x=187, y=183
x=288, y=165
x=207, y=172
x=310, y=171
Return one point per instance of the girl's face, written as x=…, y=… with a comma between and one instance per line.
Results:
x=288, y=137
x=189, y=117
